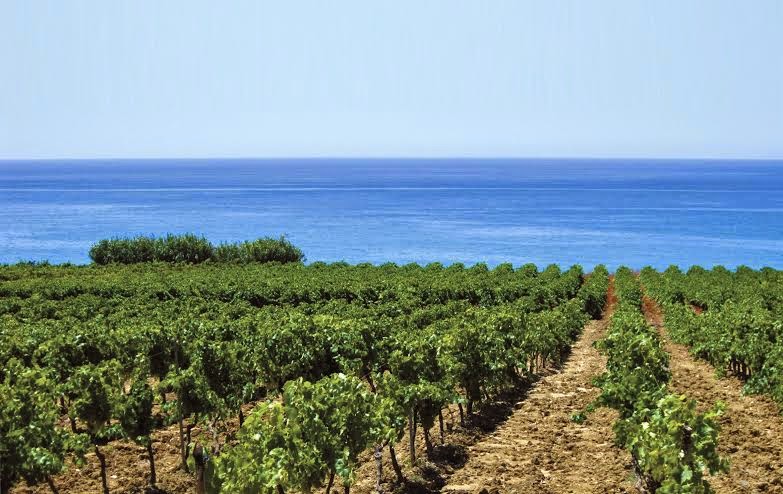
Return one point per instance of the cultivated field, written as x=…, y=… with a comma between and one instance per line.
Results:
x=136, y=377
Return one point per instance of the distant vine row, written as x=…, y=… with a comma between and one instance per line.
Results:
x=732, y=320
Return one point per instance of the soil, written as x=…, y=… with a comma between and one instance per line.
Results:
x=540, y=449
x=751, y=434
x=431, y=471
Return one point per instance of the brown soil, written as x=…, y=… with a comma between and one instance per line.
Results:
x=751, y=435
x=540, y=449
x=431, y=471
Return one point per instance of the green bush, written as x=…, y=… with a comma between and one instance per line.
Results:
x=191, y=249
x=171, y=248
x=261, y=250
x=186, y=248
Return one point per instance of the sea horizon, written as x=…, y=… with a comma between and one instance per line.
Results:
x=410, y=158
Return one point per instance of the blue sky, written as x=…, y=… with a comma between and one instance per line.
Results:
x=684, y=78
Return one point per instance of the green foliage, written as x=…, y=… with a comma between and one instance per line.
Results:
x=186, y=248
x=32, y=447
x=321, y=427
x=769, y=377
x=416, y=380
x=548, y=334
x=672, y=445
x=269, y=454
x=194, y=395
x=288, y=348
x=190, y=249
x=95, y=389
x=261, y=250
x=473, y=358
x=637, y=368
x=627, y=288
x=732, y=320
x=134, y=410
x=337, y=414
x=198, y=341
x=593, y=291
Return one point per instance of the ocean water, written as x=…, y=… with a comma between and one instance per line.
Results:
x=617, y=212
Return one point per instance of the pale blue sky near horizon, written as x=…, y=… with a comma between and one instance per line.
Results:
x=607, y=78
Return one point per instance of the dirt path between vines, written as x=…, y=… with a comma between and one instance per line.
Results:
x=751, y=433
x=540, y=449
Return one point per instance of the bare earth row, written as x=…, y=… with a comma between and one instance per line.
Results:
x=540, y=449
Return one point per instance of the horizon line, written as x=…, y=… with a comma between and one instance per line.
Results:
x=397, y=158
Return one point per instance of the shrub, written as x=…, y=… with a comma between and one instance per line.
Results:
x=266, y=249
x=186, y=248
x=123, y=250
x=191, y=249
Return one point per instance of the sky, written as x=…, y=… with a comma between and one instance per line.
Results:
x=516, y=78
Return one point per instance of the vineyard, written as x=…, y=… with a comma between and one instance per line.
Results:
x=227, y=374
x=734, y=321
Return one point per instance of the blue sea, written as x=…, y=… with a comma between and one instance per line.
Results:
x=618, y=212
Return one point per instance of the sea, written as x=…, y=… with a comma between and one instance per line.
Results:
x=564, y=211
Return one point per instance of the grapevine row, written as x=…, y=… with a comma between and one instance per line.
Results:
x=732, y=320
x=673, y=447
